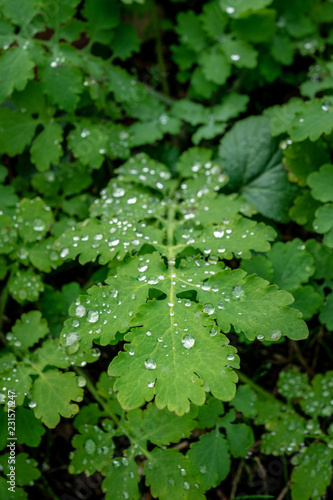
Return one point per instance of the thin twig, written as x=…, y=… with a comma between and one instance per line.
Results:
x=283, y=492
x=236, y=480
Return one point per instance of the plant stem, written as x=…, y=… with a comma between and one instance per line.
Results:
x=120, y=425
x=254, y=386
x=159, y=50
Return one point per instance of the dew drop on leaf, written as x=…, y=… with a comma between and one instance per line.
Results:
x=90, y=446
x=92, y=316
x=209, y=309
x=188, y=341
x=150, y=364
x=80, y=311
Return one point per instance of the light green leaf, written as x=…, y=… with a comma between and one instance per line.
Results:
x=19, y=494
x=151, y=365
x=237, y=7
x=214, y=20
x=46, y=148
x=257, y=27
x=245, y=401
x=303, y=209
x=209, y=459
x=17, y=12
x=53, y=392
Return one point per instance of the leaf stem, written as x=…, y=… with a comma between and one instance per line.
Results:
x=93, y=391
x=159, y=50
x=259, y=390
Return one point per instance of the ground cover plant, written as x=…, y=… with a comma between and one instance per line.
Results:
x=166, y=249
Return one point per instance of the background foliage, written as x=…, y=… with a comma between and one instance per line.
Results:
x=166, y=219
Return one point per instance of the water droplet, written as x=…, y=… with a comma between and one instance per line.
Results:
x=92, y=316
x=150, y=364
x=230, y=10
x=260, y=336
x=32, y=404
x=230, y=356
x=38, y=225
x=235, y=57
x=71, y=338
x=80, y=311
x=238, y=292
x=209, y=309
x=90, y=446
x=64, y=252
x=276, y=335
x=186, y=486
x=188, y=341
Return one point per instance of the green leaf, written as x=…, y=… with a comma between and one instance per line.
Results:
x=89, y=143
x=162, y=427
x=323, y=223
x=190, y=111
x=121, y=480
x=209, y=413
x=312, y=473
x=28, y=330
x=326, y=314
x=25, y=468
x=46, y=148
x=62, y=85
x=18, y=13
x=286, y=434
x=175, y=375
x=125, y=42
x=240, y=438
x=293, y=384
x=292, y=264
x=213, y=20
x=53, y=392
x=100, y=17
x=33, y=219
x=29, y=430
x=215, y=66
x=168, y=475
x=237, y=7
x=209, y=459
x=24, y=285
x=282, y=49
x=314, y=119
x=18, y=494
x=16, y=69
x=308, y=301
x=303, y=209
x=239, y=53
x=259, y=265
x=317, y=401
x=257, y=27
x=321, y=183
x=190, y=31
x=245, y=401
x=18, y=132
x=94, y=447
x=250, y=157
x=302, y=158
